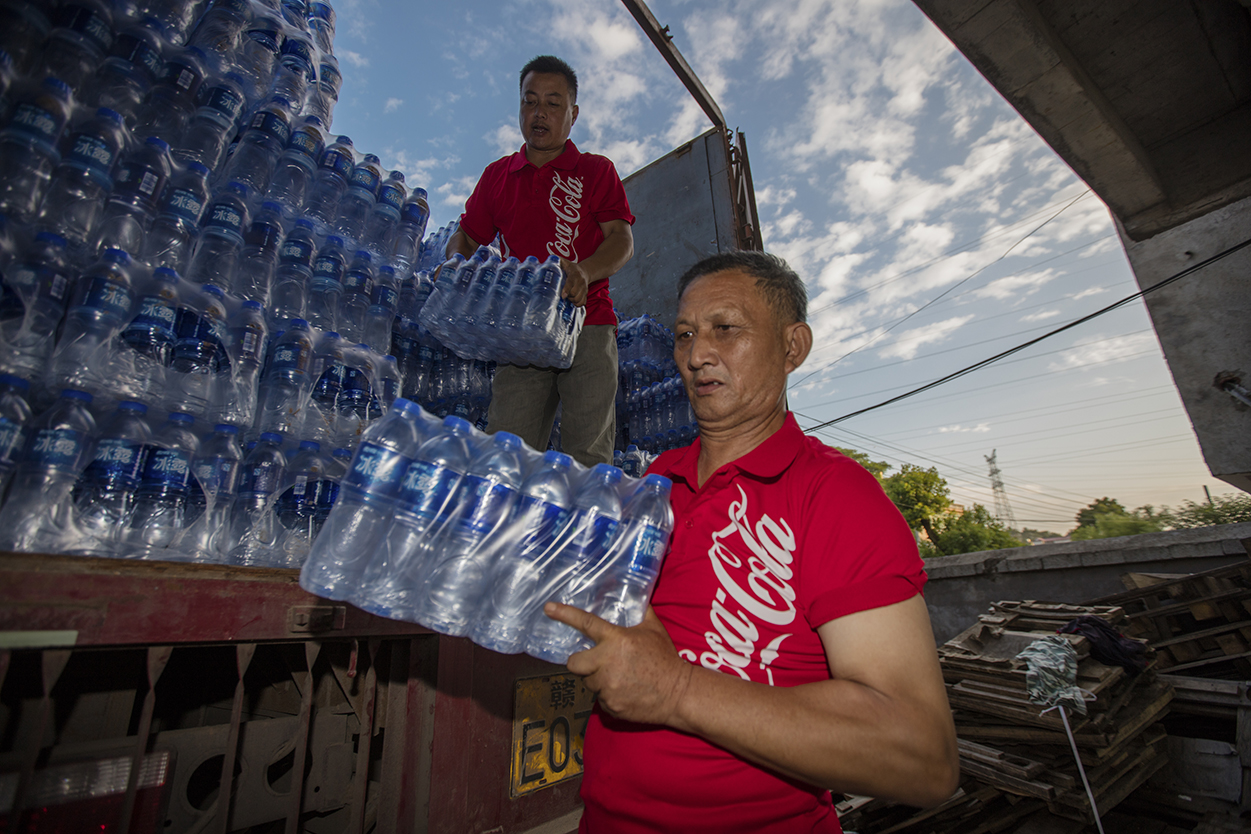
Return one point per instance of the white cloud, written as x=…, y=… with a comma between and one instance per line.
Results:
x=355, y=59
x=505, y=139
x=392, y=105
x=455, y=192
x=1041, y=315
x=911, y=342
x=980, y=428
x=1105, y=350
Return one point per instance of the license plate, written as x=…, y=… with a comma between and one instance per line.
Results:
x=549, y=724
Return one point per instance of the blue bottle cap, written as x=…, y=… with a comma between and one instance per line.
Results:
x=342, y=453
x=299, y=324
x=117, y=256
x=390, y=358
x=164, y=273
x=226, y=428
x=607, y=472
x=216, y=292
x=131, y=405
x=313, y=120
x=235, y=77
x=334, y=240
x=73, y=394
x=271, y=437
x=421, y=191
x=157, y=142
x=111, y=115
x=559, y=458
x=344, y=140
x=270, y=205
x=253, y=305
x=198, y=168
x=332, y=334
x=181, y=417
x=455, y=424
x=507, y=440
x=660, y=481
x=310, y=444
x=363, y=255
x=51, y=237
x=304, y=222
x=15, y=381
x=57, y=87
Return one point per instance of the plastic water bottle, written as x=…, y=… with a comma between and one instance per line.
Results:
x=326, y=287
x=133, y=66
x=37, y=513
x=358, y=288
x=82, y=35
x=215, y=478
x=137, y=186
x=84, y=178
x=261, y=144
x=355, y=532
x=36, y=290
x=261, y=243
x=359, y=376
x=15, y=417
x=334, y=169
x=295, y=69
x=169, y=105
x=28, y=145
x=388, y=389
x=321, y=24
x=380, y=315
x=393, y=586
x=150, y=336
x=199, y=346
x=173, y=234
x=216, y=257
x=328, y=489
x=511, y=319
x=539, y=527
x=359, y=199
x=102, y=304
x=464, y=556
x=218, y=30
x=213, y=123
x=297, y=502
x=252, y=531
x=385, y=215
x=158, y=521
x=294, y=172
x=283, y=391
x=324, y=94
x=258, y=53
x=540, y=317
x=104, y=495
x=24, y=29
x=328, y=369
x=289, y=295
x=246, y=349
x=497, y=299
x=410, y=230
x=575, y=571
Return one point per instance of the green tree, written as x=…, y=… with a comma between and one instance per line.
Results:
x=1029, y=533
x=1223, y=509
x=1105, y=505
x=876, y=467
x=1111, y=524
x=920, y=494
x=973, y=530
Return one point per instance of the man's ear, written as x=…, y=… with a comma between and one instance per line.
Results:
x=575, y=116
x=798, y=340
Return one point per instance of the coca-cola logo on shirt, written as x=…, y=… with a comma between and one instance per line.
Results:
x=565, y=200
x=752, y=563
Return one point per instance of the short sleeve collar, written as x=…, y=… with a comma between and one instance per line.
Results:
x=768, y=460
x=565, y=162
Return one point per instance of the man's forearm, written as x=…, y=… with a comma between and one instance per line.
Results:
x=613, y=253
x=459, y=243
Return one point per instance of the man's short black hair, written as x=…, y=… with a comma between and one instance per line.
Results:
x=781, y=286
x=552, y=64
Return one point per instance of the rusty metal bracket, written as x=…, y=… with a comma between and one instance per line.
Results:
x=306, y=619
x=660, y=36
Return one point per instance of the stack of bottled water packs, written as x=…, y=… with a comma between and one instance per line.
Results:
x=469, y=535
x=504, y=310
x=199, y=286
x=653, y=413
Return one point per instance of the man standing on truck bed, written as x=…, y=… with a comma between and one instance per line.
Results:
x=788, y=650
x=549, y=198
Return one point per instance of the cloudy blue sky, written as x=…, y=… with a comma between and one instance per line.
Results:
x=932, y=226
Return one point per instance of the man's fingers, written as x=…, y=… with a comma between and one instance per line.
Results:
x=584, y=621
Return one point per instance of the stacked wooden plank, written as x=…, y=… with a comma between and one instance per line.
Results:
x=1199, y=624
x=1016, y=761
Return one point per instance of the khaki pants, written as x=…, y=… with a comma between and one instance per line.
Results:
x=524, y=399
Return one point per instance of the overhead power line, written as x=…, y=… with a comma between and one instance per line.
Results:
x=1003, y=354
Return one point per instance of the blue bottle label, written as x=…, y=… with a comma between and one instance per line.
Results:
x=330, y=77
x=262, y=476
x=92, y=153
x=337, y=161
x=84, y=21
x=425, y=354
x=355, y=382
x=402, y=346
x=290, y=357
x=135, y=178
x=136, y=50
x=365, y=177
x=31, y=118
x=184, y=204
x=267, y=34
x=299, y=48
x=271, y=124
x=593, y=539
x=58, y=448
x=217, y=476
x=542, y=522
x=492, y=504
x=358, y=280
x=107, y=296
x=296, y=252
x=329, y=384
x=166, y=470
x=328, y=267
x=226, y=216
x=647, y=550
x=385, y=296
x=392, y=194
x=250, y=344
x=416, y=214
x=376, y=470
x=327, y=496
x=306, y=142
x=181, y=76
x=224, y=100
x=428, y=489
x=12, y=436
x=117, y=463
x=155, y=313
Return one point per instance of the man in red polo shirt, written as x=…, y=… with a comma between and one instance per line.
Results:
x=787, y=651
x=549, y=198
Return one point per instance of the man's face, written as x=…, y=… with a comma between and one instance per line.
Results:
x=731, y=350
x=547, y=110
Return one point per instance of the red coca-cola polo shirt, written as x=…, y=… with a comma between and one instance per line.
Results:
x=553, y=210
